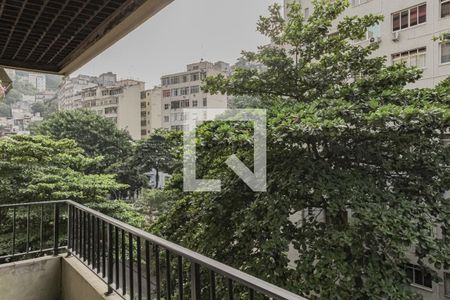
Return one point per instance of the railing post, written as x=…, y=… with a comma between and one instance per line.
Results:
x=55, y=229
x=14, y=232
x=70, y=226
x=195, y=282
x=180, y=278
x=110, y=259
x=230, y=289
x=168, y=279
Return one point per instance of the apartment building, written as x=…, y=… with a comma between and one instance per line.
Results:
x=406, y=35
x=117, y=100
x=151, y=111
x=182, y=91
x=69, y=93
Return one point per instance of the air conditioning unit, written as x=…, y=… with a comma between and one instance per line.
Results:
x=396, y=36
x=375, y=40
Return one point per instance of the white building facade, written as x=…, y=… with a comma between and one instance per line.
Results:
x=117, y=100
x=406, y=35
x=69, y=93
x=151, y=111
x=182, y=91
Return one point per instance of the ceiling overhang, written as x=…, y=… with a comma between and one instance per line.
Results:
x=60, y=36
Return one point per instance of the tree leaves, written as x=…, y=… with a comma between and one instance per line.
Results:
x=356, y=166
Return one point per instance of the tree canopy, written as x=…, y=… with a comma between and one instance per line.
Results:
x=36, y=168
x=356, y=166
x=39, y=169
x=154, y=153
x=97, y=135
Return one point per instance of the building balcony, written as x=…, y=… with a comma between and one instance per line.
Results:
x=64, y=250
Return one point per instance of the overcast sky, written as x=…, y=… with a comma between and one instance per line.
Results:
x=182, y=33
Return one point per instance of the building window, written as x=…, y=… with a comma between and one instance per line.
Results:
x=359, y=2
x=418, y=276
x=445, y=8
x=195, y=89
x=175, y=92
x=195, y=77
x=166, y=106
x=175, y=80
x=110, y=110
x=445, y=53
x=412, y=58
x=184, y=103
x=194, y=103
x=447, y=285
x=166, y=81
x=205, y=102
x=166, y=93
x=143, y=95
x=175, y=104
x=143, y=132
x=166, y=119
x=306, y=13
x=409, y=17
x=184, y=91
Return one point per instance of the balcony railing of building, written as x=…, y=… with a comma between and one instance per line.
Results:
x=133, y=263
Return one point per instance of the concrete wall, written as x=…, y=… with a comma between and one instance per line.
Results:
x=51, y=278
x=78, y=282
x=37, y=279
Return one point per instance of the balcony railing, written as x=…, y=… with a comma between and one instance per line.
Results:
x=132, y=262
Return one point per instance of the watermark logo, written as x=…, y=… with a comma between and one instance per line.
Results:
x=256, y=180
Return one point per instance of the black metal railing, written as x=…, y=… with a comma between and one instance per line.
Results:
x=132, y=262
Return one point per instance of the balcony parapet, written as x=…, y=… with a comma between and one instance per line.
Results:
x=133, y=262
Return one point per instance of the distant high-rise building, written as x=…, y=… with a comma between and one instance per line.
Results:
x=182, y=91
x=406, y=35
x=37, y=80
x=151, y=110
x=117, y=100
x=69, y=93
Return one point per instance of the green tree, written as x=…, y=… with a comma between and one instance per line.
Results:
x=155, y=202
x=45, y=108
x=356, y=167
x=97, y=135
x=5, y=110
x=53, y=81
x=50, y=107
x=38, y=107
x=13, y=96
x=242, y=102
x=36, y=168
x=154, y=153
x=24, y=87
